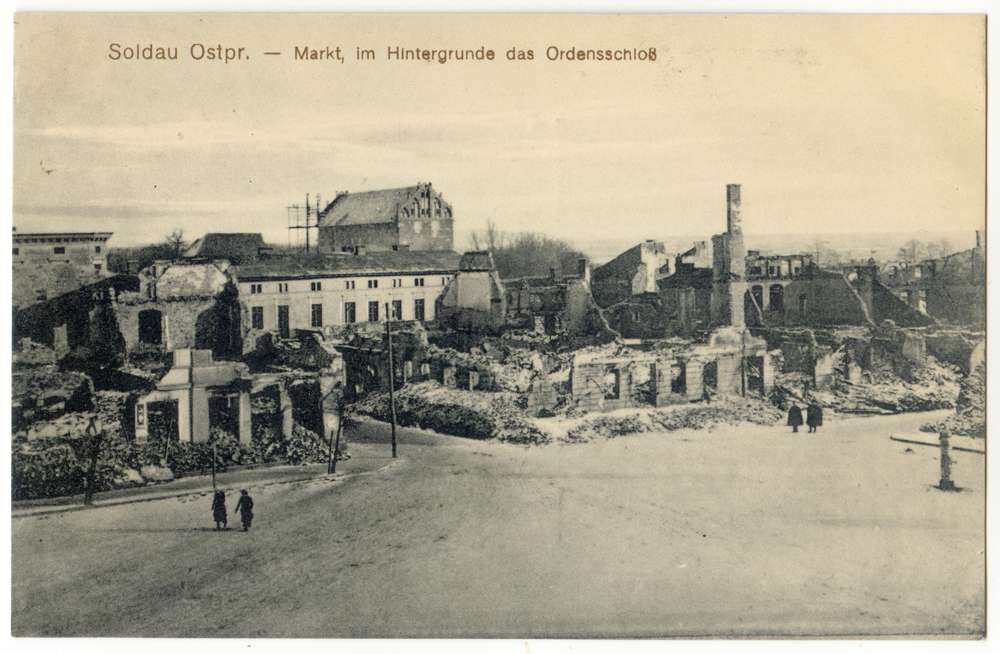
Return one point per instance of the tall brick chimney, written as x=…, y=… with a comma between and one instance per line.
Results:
x=733, y=208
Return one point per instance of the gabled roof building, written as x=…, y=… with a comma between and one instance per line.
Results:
x=400, y=219
x=238, y=249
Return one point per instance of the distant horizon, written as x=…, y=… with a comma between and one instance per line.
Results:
x=599, y=251
x=828, y=123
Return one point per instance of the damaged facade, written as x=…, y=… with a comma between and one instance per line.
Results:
x=950, y=289
x=553, y=304
x=196, y=395
x=46, y=265
x=733, y=363
x=633, y=272
x=84, y=318
x=409, y=218
x=747, y=288
x=180, y=305
x=475, y=299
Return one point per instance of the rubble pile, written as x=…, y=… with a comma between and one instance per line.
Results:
x=48, y=471
x=45, y=393
x=33, y=354
x=269, y=446
x=726, y=410
x=934, y=386
x=970, y=409
x=428, y=405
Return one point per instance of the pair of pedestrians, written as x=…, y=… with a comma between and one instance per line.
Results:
x=814, y=417
x=244, y=506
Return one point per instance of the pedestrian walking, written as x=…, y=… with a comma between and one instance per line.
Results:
x=794, y=418
x=245, y=507
x=219, y=510
x=814, y=416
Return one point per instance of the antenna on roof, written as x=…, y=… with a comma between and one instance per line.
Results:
x=295, y=215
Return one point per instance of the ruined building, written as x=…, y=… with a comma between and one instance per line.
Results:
x=83, y=319
x=475, y=299
x=554, y=304
x=732, y=363
x=196, y=395
x=182, y=305
x=951, y=289
x=410, y=218
x=633, y=272
x=45, y=265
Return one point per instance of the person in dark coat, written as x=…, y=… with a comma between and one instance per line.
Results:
x=795, y=418
x=245, y=507
x=219, y=510
x=814, y=416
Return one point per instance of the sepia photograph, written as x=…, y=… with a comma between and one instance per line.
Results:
x=482, y=326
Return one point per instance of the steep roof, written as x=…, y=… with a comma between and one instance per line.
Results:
x=476, y=260
x=366, y=208
x=345, y=265
x=237, y=247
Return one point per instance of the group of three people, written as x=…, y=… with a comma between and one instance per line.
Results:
x=814, y=417
x=244, y=506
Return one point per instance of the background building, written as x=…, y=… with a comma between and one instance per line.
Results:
x=321, y=292
x=410, y=218
x=49, y=264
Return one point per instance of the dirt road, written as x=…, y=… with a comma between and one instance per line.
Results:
x=746, y=531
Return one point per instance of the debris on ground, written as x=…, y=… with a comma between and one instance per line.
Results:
x=970, y=409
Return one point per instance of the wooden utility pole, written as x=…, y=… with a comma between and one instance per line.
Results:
x=392, y=376
x=743, y=362
x=95, y=435
x=331, y=464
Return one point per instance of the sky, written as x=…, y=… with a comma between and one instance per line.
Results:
x=831, y=124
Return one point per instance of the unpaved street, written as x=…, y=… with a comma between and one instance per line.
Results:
x=747, y=531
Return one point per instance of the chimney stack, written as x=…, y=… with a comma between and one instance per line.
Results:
x=733, y=208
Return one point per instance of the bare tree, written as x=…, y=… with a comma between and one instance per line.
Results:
x=939, y=249
x=492, y=240
x=176, y=242
x=494, y=237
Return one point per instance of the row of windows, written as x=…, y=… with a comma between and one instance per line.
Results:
x=348, y=284
x=58, y=250
x=350, y=313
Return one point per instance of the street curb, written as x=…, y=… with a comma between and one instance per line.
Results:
x=66, y=508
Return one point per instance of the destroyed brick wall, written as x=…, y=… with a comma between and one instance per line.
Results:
x=824, y=300
x=958, y=304
x=77, y=319
x=950, y=289
x=474, y=300
x=639, y=316
x=885, y=305
x=554, y=307
x=633, y=272
x=191, y=306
